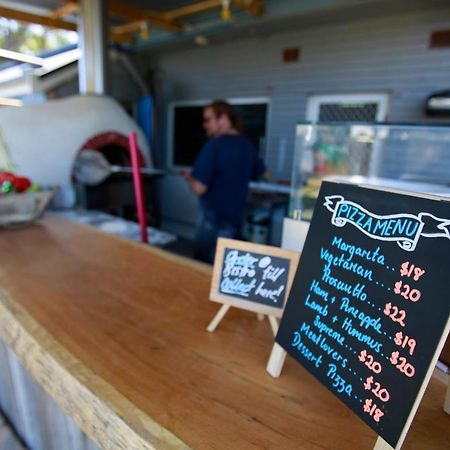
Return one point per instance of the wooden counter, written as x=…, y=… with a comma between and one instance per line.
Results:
x=115, y=333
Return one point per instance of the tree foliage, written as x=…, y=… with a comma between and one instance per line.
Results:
x=32, y=39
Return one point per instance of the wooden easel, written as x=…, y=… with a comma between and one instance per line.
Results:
x=381, y=444
x=276, y=360
x=218, y=318
x=227, y=301
x=224, y=309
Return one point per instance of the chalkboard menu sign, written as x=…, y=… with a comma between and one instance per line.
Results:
x=368, y=310
x=252, y=276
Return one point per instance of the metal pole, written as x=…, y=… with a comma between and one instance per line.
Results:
x=138, y=187
x=92, y=29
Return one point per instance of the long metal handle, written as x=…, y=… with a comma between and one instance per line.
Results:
x=146, y=170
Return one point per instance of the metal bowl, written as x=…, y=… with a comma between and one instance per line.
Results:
x=18, y=210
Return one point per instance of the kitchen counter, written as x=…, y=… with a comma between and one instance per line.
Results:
x=115, y=332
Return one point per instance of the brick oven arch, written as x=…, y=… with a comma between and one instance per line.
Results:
x=114, y=146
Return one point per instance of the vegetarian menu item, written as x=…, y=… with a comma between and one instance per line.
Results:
x=366, y=314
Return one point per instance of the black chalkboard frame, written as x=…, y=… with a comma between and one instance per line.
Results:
x=278, y=354
x=267, y=250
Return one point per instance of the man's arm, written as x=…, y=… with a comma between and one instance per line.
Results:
x=197, y=187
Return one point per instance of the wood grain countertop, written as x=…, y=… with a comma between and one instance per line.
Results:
x=116, y=333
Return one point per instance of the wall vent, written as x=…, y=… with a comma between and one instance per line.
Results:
x=291, y=55
x=440, y=39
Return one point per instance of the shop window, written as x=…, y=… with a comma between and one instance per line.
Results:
x=347, y=108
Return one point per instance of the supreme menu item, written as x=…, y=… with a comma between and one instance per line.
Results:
x=368, y=310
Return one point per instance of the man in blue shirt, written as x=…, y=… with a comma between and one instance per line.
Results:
x=220, y=177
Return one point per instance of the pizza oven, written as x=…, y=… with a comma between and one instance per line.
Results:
x=115, y=194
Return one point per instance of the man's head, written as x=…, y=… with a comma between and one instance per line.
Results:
x=218, y=118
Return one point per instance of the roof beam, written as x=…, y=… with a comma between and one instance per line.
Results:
x=195, y=8
x=133, y=14
x=65, y=10
x=254, y=7
x=129, y=27
x=137, y=14
x=47, y=21
x=121, y=37
x=167, y=20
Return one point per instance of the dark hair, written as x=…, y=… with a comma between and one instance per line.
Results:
x=221, y=107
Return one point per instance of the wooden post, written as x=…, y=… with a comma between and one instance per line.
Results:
x=447, y=397
x=381, y=444
x=273, y=324
x=218, y=317
x=276, y=360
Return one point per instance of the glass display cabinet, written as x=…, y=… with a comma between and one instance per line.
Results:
x=409, y=157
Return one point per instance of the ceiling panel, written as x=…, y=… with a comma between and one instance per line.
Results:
x=154, y=23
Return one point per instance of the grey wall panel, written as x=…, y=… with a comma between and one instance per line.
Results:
x=388, y=53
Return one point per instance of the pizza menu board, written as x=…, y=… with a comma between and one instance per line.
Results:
x=252, y=276
x=369, y=303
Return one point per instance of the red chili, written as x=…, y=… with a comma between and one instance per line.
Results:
x=21, y=184
x=7, y=176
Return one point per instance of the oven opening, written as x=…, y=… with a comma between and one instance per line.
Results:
x=115, y=193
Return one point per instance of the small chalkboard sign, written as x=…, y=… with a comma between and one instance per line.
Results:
x=368, y=312
x=252, y=276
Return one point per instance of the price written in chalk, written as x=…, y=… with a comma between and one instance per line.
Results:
x=407, y=270
x=373, y=410
x=402, y=364
x=370, y=362
x=405, y=291
x=376, y=389
x=405, y=341
x=397, y=315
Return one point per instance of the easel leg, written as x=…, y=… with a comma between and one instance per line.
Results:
x=273, y=324
x=218, y=317
x=381, y=444
x=276, y=360
x=447, y=398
